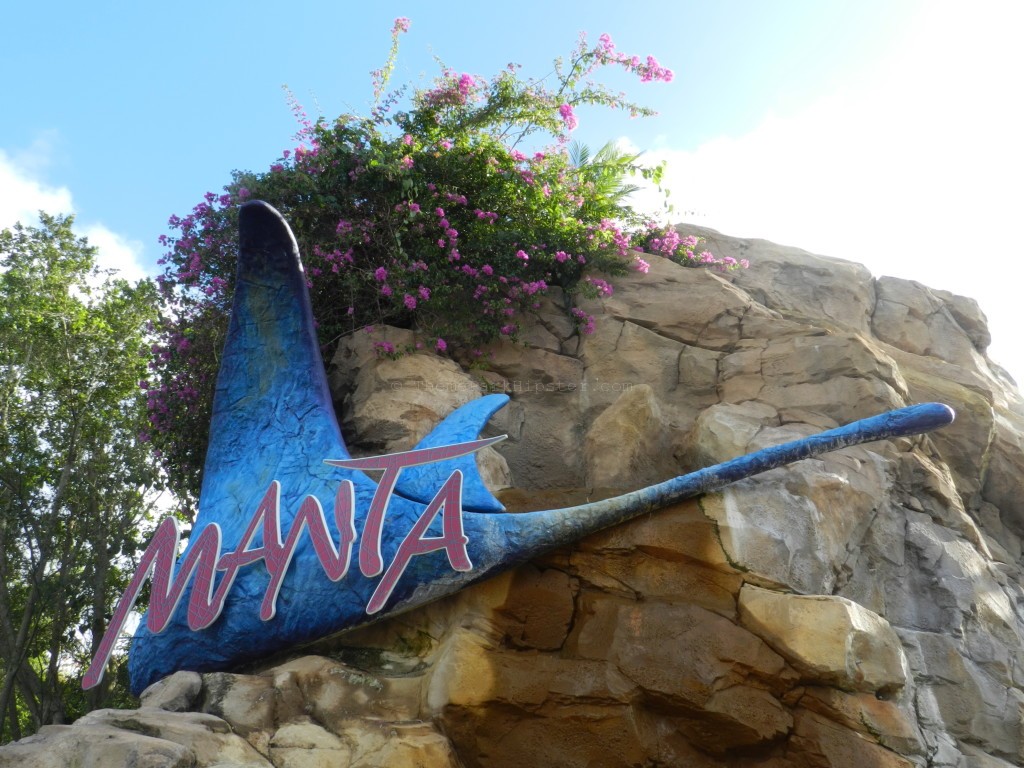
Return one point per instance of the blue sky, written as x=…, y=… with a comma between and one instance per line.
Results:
x=882, y=132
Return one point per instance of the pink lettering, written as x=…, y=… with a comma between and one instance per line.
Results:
x=204, y=559
x=334, y=560
x=370, y=561
x=453, y=540
x=167, y=589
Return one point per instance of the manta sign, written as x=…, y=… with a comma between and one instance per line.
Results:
x=294, y=542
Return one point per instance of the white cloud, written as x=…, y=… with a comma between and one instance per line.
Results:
x=23, y=195
x=117, y=252
x=914, y=169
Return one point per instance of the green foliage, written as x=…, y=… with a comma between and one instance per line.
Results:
x=74, y=479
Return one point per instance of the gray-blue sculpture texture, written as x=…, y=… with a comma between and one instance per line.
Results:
x=287, y=507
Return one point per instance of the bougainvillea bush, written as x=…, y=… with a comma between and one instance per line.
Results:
x=449, y=209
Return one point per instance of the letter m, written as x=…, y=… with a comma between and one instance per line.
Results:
x=167, y=589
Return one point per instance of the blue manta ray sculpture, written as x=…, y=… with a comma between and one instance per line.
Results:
x=265, y=569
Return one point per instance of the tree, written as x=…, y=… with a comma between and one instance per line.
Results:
x=75, y=480
x=451, y=209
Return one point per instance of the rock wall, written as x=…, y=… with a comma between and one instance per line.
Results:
x=862, y=609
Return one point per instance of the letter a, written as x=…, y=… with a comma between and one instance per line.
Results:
x=453, y=540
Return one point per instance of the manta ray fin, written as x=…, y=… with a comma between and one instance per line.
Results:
x=420, y=483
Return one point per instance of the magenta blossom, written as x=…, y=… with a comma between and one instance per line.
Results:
x=568, y=116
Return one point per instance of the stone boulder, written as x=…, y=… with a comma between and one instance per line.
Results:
x=827, y=639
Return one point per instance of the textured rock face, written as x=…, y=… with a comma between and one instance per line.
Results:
x=861, y=609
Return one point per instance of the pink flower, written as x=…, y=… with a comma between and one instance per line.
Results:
x=407, y=140
x=243, y=193
x=568, y=116
x=414, y=208
x=445, y=144
x=641, y=265
x=381, y=274
x=561, y=257
x=602, y=286
x=587, y=321
x=424, y=292
x=401, y=25
x=521, y=254
x=406, y=162
x=441, y=345
x=653, y=71
x=409, y=301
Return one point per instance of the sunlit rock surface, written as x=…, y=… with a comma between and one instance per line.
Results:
x=860, y=609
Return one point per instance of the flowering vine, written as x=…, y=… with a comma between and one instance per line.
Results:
x=439, y=211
